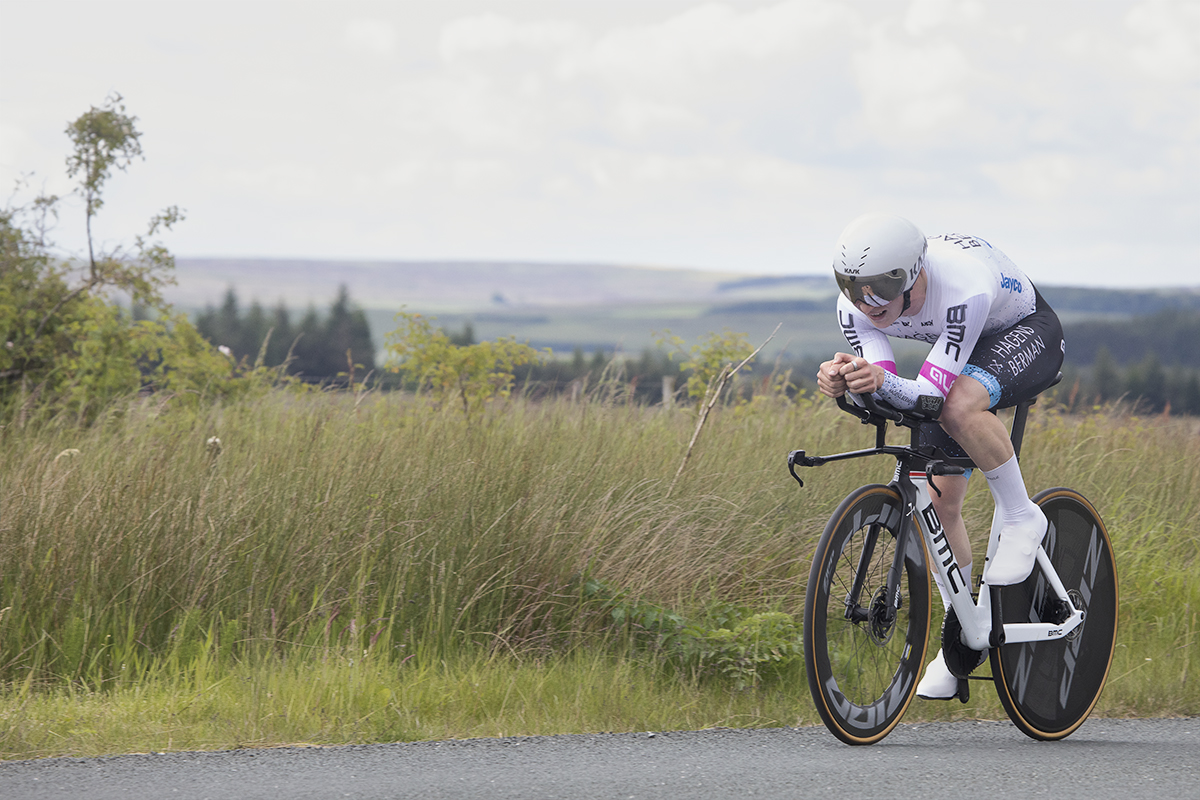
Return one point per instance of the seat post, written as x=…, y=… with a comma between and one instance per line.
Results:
x=1018, y=427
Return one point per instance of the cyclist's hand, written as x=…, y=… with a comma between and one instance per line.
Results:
x=861, y=376
x=830, y=380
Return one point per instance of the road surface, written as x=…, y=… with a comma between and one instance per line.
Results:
x=1118, y=759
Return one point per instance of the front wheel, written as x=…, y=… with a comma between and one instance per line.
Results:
x=1049, y=688
x=862, y=654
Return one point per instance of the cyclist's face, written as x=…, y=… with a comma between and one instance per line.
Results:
x=882, y=316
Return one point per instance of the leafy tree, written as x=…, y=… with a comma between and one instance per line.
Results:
x=708, y=358
x=104, y=139
x=66, y=344
x=472, y=374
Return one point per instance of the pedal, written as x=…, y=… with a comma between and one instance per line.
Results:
x=1056, y=611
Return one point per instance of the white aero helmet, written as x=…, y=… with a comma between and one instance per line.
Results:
x=878, y=258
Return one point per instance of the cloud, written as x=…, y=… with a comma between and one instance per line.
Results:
x=1040, y=178
x=490, y=33
x=915, y=94
x=925, y=16
x=710, y=46
x=707, y=133
x=1167, y=47
x=371, y=36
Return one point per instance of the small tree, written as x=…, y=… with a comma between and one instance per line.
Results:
x=64, y=340
x=708, y=358
x=472, y=374
x=105, y=138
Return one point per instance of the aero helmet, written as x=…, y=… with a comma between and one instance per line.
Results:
x=878, y=258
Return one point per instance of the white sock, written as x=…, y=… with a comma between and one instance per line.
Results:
x=1008, y=490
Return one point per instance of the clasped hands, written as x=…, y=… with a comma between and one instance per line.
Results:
x=849, y=373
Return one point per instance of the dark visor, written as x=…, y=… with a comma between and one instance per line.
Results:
x=874, y=290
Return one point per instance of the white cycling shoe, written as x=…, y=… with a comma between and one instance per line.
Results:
x=938, y=683
x=1016, y=552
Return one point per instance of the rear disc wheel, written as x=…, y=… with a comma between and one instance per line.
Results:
x=1049, y=688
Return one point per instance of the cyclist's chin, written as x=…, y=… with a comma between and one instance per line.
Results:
x=882, y=317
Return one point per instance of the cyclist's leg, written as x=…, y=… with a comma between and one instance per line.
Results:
x=967, y=417
x=949, y=505
x=938, y=683
x=1004, y=369
x=951, y=490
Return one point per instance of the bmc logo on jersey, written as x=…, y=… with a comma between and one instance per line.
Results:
x=1012, y=284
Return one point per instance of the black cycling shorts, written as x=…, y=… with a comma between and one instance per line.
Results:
x=1014, y=364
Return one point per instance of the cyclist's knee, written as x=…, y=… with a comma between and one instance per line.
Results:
x=949, y=503
x=967, y=400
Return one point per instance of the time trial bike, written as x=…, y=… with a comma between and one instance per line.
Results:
x=1049, y=639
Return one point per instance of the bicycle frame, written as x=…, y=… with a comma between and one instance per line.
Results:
x=976, y=618
x=915, y=470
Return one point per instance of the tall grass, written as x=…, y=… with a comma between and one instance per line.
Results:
x=364, y=542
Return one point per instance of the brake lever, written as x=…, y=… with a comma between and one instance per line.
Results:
x=939, y=467
x=929, y=477
x=798, y=457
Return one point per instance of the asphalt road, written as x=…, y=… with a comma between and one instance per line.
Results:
x=1117, y=759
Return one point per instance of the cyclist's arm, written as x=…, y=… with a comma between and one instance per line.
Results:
x=864, y=338
x=963, y=325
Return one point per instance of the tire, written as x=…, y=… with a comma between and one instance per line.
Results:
x=864, y=675
x=1049, y=688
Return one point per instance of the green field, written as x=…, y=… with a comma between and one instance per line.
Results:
x=365, y=568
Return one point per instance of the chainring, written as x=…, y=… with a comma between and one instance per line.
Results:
x=960, y=659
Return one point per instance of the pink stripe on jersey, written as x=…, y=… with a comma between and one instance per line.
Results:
x=939, y=377
x=889, y=366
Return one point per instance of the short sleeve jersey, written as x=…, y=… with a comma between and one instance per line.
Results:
x=972, y=290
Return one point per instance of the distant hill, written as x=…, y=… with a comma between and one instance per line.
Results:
x=591, y=306
x=1123, y=302
x=498, y=287
x=471, y=286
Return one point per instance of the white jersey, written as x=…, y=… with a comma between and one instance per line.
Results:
x=972, y=290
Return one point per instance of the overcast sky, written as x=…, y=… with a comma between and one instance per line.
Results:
x=736, y=136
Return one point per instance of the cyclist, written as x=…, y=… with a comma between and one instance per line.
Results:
x=995, y=341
